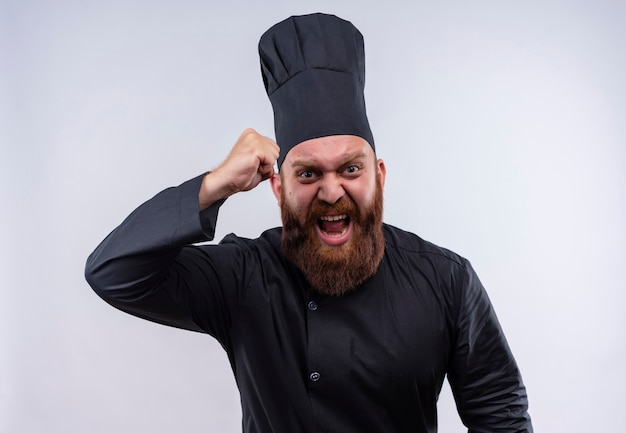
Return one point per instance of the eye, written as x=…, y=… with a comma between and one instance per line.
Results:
x=352, y=170
x=306, y=176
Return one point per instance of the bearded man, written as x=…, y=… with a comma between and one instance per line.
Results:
x=336, y=322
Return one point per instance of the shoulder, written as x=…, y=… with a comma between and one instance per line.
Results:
x=410, y=244
x=269, y=238
x=405, y=252
x=435, y=270
x=265, y=246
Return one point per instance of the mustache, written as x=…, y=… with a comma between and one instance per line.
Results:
x=345, y=205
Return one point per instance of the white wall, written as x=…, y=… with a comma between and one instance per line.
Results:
x=501, y=123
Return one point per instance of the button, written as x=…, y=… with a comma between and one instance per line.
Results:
x=315, y=376
x=312, y=305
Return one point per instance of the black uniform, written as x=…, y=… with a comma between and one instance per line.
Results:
x=371, y=361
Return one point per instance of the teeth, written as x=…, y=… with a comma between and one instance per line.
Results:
x=333, y=218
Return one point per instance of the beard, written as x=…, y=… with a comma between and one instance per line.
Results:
x=335, y=270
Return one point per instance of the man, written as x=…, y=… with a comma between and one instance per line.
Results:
x=336, y=322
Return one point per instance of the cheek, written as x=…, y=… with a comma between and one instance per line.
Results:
x=363, y=193
x=298, y=199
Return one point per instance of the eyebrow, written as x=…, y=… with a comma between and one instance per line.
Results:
x=311, y=162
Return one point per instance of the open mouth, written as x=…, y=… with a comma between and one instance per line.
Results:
x=333, y=229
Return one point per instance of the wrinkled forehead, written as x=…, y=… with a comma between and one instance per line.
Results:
x=329, y=151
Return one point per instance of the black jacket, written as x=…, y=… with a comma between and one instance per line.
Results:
x=370, y=361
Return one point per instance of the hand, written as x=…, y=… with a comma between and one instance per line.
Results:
x=250, y=161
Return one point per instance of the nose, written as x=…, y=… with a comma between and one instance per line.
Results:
x=331, y=189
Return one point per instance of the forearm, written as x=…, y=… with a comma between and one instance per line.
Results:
x=483, y=374
x=214, y=189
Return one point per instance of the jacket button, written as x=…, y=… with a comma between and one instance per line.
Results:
x=312, y=305
x=315, y=376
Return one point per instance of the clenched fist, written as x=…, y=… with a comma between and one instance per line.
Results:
x=250, y=161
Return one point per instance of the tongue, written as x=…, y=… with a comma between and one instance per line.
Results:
x=333, y=226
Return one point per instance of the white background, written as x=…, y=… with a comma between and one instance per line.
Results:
x=502, y=124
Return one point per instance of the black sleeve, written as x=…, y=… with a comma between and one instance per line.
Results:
x=148, y=268
x=483, y=375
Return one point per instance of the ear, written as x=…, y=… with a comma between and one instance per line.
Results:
x=382, y=171
x=276, y=185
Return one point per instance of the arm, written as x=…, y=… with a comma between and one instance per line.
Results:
x=483, y=374
x=145, y=266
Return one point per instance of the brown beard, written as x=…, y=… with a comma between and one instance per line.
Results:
x=335, y=270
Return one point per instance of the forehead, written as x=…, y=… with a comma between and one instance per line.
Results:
x=334, y=149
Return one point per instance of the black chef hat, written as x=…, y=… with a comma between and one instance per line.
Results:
x=313, y=68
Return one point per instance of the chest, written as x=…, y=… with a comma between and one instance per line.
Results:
x=392, y=333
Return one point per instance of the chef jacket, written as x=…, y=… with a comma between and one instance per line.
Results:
x=373, y=360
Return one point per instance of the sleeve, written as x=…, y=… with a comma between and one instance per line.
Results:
x=483, y=375
x=148, y=268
